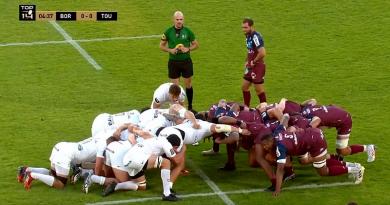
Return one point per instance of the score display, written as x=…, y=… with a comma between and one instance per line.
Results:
x=29, y=13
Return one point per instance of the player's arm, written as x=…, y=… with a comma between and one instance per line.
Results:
x=281, y=154
x=260, y=158
x=315, y=122
x=179, y=110
x=260, y=55
x=311, y=102
x=118, y=131
x=139, y=132
x=164, y=45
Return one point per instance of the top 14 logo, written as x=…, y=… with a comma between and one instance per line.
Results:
x=27, y=12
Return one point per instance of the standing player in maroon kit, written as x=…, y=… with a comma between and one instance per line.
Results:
x=333, y=116
x=254, y=67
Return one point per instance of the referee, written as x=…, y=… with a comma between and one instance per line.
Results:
x=179, y=41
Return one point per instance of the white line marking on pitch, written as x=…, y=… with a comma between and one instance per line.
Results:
x=76, y=45
x=243, y=191
x=211, y=184
x=79, y=40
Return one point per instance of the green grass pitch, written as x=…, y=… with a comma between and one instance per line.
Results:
x=335, y=51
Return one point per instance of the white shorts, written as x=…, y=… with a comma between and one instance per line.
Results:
x=100, y=123
x=115, y=152
x=135, y=159
x=60, y=158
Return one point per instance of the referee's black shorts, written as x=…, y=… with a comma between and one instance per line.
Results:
x=180, y=68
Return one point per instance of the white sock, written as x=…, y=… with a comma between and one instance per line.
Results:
x=170, y=185
x=129, y=185
x=83, y=171
x=98, y=179
x=47, y=179
x=166, y=179
x=38, y=170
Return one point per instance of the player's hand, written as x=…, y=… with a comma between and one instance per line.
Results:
x=245, y=132
x=173, y=51
x=276, y=193
x=184, y=49
x=117, y=134
x=243, y=125
x=196, y=126
x=251, y=64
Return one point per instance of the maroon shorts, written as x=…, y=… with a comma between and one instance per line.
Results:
x=318, y=144
x=246, y=142
x=346, y=126
x=256, y=74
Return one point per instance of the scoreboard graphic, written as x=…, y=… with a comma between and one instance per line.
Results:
x=29, y=13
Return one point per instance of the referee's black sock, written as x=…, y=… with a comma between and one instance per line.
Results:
x=190, y=94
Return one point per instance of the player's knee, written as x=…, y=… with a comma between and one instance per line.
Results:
x=165, y=163
x=320, y=166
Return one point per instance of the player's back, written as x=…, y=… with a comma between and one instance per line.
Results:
x=132, y=116
x=249, y=116
x=331, y=116
x=86, y=151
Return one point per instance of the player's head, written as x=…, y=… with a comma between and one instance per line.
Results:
x=247, y=25
x=176, y=141
x=174, y=92
x=267, y=141
x=202, y=115
x=178, y=19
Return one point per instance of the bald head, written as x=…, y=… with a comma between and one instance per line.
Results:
x=178, y=19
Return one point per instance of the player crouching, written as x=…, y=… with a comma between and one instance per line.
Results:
x=63, y=155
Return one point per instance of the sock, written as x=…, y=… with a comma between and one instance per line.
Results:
x=38, y=170
x=166, y=179
x=190, y=94
x=334, y=162
x=170, y=185
x=231, y=149
x=47, y=179
x=215, y=147
x=98, y=179
x=288, y=171
x=262, y=97
x=337, y=170
x=357, y=148
x=247, y=97
x=129, y=185
x=83, y=171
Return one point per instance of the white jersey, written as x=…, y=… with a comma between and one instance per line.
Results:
x=100, y=140
x=105, y=121
x=115, y=152
x=151, y=120
x=193, y=135
x=137, y=157
x=67, y=153
x=161, y=94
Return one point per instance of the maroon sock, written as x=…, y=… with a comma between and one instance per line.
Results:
x=247, y=97
x=215, y=147
x=337, y=170
x=262, y=97
x=288, y=171
x=334, y=162
x=356, y=148
x=231, y=149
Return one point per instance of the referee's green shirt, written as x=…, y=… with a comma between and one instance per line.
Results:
x=178, y=36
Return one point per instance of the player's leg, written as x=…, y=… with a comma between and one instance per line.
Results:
x=178, y=163
x=187, y=73
x=258, y=81
x=57, y=180
x=22, y=170
x=246, y=94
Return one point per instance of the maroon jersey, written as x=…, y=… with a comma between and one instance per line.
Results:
x=292, y=107
x=299, y=121
x=249, y=116
x=331, y=116
x=310, y=140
